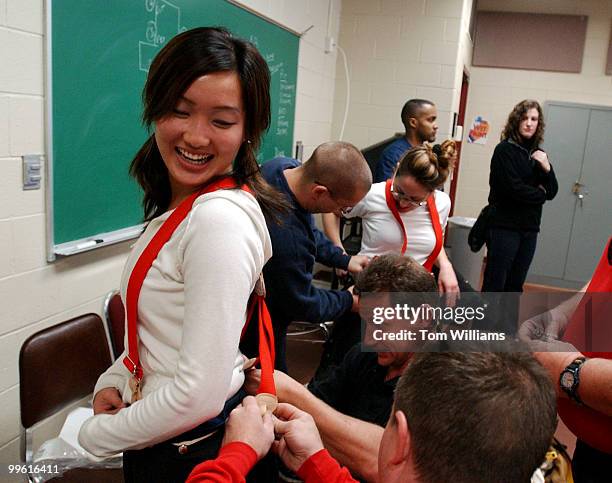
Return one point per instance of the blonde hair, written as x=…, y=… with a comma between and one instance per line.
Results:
x=429, y=166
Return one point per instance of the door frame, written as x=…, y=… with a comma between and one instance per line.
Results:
x=465, y=84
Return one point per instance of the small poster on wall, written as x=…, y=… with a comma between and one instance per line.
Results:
x=479, y=131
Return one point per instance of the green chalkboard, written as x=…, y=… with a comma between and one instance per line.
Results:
x=98, y=55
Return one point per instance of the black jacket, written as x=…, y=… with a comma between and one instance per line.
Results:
x=516, y=181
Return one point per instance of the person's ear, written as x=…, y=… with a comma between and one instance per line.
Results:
x=413, y=122
x=402, y=439
x=319, y=190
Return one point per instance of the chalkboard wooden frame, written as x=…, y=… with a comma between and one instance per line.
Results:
x=69, y=166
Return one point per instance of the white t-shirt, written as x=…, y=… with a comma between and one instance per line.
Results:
x=382, y=233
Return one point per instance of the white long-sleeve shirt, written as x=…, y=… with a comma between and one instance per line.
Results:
x=191, y=311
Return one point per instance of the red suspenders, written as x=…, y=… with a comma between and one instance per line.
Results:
x=435, y=221
x=139, y=273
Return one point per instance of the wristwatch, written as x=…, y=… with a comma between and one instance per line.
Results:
x=570, y=379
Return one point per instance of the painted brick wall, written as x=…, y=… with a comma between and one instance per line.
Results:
x=397, y=50
x=493, y=92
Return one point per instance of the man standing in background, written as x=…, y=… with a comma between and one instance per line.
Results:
x=419, y=119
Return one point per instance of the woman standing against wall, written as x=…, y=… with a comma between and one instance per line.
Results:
x=521, y=180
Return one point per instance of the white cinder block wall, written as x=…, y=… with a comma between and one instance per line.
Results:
x=35, y=294
x=493, y=92
x=397, y=50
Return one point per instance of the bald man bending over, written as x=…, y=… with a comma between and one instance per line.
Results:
x=335, y=178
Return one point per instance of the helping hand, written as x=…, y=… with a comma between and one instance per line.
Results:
x=543, y=332
x=357, y=263
x=246, y=424
x=546, y=327
x=299, y=438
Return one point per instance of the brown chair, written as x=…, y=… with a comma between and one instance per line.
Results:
x=57, y=367
x=114, y=315
x=305, y=342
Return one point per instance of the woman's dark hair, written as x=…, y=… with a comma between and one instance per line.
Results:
x=429, y=166
x=186, y=57
x=511, y=130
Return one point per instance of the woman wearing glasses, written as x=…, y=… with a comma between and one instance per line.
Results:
x=404, y=215
x=407, y=215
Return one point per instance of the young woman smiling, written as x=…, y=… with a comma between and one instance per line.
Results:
x=164, y=402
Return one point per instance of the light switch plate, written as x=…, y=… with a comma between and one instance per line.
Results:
x=32, y=171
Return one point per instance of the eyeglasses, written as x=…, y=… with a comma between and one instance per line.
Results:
x=345, y=210
x=399, y=196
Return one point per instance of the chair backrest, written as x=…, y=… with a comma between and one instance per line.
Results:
x=372, y=153
x=60, y=365
x=114, y=314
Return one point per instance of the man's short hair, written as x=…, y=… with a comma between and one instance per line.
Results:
x=477, y=417
x=341, y=167
x=412, y=108
x=395, y=273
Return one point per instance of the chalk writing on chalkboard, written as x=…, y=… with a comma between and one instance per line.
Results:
x=164, y=23
x=95, y=106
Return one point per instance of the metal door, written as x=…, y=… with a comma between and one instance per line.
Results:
x=577, y=223
x=593, y=216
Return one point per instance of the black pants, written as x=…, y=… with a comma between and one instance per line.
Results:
x=163, y=463
x=590, y=465
x=509, y=255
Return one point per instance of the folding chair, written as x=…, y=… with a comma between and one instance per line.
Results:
x=114, y=316
x=57, y=367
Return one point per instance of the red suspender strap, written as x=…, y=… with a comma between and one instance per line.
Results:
x=435, y=221
x=144, y=263
x=393, y=207
x=265, y=332
x=266, y=349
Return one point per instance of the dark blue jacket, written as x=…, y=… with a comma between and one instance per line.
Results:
x=296, y=245
x=389, y=159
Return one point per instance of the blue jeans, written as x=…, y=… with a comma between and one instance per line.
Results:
x=509, y=255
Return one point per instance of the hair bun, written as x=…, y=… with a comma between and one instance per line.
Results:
x=447, y=154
